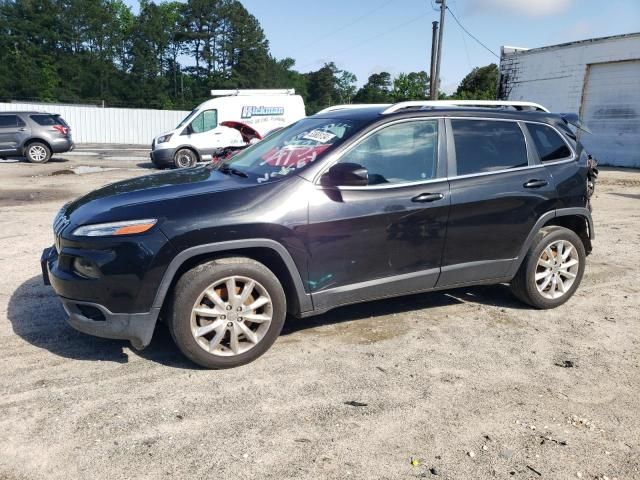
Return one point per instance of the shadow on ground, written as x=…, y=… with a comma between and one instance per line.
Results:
x=37, y=316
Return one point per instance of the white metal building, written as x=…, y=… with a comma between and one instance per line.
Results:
x=108, y=125
x=597, y=78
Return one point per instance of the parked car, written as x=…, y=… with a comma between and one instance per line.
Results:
x=34, y=135
x=220, y=126
x=346, y=206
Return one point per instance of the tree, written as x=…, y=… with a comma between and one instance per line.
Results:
x=411, y=86
x=480, y=84
x=376, y=90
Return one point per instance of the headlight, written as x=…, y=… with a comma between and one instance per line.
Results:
x=164, y=138
x=129, y=227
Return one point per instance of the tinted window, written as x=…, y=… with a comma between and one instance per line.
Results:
x=488, y=145
x=401, y=153
x=8, y=121
x=47, y=120
x=207, y=120
x=548, y=143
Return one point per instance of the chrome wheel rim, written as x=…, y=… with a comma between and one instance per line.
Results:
x=37, y=153
x=184, y=160
x=557, y=269
x=231, y=316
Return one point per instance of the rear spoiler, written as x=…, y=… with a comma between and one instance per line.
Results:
x=574, y=119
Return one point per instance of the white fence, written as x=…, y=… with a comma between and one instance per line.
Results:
x=108, y=125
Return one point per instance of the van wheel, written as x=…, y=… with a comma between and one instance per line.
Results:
x=552, y=270
x=185, y=158
x=226, y=312
x=38, y=152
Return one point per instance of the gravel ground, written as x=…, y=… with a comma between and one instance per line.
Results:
x=466, y=384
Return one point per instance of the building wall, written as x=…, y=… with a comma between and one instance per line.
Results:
x=555, y=77
x=108, y=125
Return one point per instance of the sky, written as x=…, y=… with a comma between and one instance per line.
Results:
x=369, y=36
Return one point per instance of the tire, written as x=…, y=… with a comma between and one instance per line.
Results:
x=543, y=281
x=185, y=158
x=211, y=346
x=37, y=152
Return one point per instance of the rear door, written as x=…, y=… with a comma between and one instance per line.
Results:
x=498, y=192
x=385, y=238
x=12, y=129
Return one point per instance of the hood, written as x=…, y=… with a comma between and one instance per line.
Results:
x=100, y=205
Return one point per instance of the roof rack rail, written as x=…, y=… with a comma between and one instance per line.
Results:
x=348, y=106
x=518, y=105
x=238, y=92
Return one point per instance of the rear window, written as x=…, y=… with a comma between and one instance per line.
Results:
x=48, y=120
x=549, y=144
x=488, y=145
x=8, y=121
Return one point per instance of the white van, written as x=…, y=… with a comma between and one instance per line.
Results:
x=235, y=119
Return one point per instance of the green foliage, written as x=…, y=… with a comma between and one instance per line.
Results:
x=376, y=90
x=480, y=84
x=411, y=86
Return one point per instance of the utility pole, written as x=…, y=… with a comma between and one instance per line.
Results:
x=432, y=73
x=443, y=9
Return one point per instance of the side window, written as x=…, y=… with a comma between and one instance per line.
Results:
x=8, y=121
x=205, y=121
x=548, y=143
x=488, y=145
x=400, y=153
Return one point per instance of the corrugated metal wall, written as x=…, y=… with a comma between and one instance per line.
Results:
x=108, y=125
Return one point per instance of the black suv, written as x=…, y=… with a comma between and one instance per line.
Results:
x=34, y=135
x=346, y=206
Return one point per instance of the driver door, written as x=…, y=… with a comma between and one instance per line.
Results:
x=204, y=133
x=385, y=238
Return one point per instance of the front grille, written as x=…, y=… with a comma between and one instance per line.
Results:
x=60, y=222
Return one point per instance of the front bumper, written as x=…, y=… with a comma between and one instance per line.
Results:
x=96, y=319
x=162, y=157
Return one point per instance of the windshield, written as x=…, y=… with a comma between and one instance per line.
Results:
x=187, y=118
x=292, y=148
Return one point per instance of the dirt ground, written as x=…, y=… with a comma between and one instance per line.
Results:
x=466, y=384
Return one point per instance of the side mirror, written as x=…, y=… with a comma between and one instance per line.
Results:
x=347, y=175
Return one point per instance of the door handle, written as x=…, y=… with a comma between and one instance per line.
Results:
x=428, y=197
x=22, y=129
x=536, y=184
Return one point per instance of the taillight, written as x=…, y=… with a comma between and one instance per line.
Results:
x=62, y=129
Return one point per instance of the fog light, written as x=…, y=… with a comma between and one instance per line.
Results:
x=86, y=268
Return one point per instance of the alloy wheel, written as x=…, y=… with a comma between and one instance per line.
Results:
x=37, y=153
x=231, y=316
x=557, y=269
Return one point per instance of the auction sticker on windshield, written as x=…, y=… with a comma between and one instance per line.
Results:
x=319, y=136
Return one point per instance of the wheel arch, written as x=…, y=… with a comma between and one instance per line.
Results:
x=31, y=140
x=187, y=147
x=268, y=252
x=577, y=219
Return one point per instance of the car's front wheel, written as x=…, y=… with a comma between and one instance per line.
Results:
x=227, y=312
x=552, y=270
x=38, y=152
x=185, y=158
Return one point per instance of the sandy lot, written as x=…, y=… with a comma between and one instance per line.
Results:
x=467, y=384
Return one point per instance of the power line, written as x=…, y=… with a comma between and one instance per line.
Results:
x=472, y=36
x=375, y=37
x=347, y=25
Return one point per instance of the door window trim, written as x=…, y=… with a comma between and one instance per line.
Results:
x=570, y=158
x=441, y=174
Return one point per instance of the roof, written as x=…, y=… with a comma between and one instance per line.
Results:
x=524, y=51
x=29, y=112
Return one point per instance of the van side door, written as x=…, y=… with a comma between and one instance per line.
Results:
x=499, y=190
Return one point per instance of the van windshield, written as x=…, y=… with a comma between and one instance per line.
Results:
x=292, y=148
x=187, y=118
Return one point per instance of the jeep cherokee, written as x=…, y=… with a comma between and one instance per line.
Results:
x=349, y=205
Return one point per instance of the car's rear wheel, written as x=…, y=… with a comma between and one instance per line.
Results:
x=552, y=270
x=38, y=152
x=185, y=158
x=227, y=312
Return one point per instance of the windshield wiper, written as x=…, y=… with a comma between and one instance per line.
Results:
x=226, y=169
